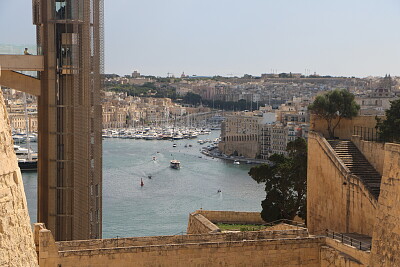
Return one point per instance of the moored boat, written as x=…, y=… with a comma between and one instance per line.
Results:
x=175, y=164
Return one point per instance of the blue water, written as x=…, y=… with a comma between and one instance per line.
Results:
x=162, y=205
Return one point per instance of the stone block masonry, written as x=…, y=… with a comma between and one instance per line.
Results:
x=336, y=199
x=16, y=239
x=386, y=237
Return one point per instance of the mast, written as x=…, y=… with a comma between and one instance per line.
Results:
x=27, y=128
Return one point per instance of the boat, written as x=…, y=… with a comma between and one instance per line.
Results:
x=174, y=145
x=27, y=159
x=27, y=165
x=236, y=162
x=141, y=182
x=175, y=164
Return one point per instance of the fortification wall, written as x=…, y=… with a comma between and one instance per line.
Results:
x=198, y=224
x=386, y=237
x=374, y=152
x=333, y=258
x=345, y=128
x=245, y=252
x=16, y=240
x=336, y=200
x=234, y=217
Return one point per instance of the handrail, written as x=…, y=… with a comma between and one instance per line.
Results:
x=348, y=240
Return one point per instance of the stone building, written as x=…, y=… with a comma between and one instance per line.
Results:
x=240, y=135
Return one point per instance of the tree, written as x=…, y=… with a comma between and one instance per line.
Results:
x=192, y=98
x=334, y=106
x=389, y=129
x=285, y=183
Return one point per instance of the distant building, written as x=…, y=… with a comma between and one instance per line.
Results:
x=135, y=74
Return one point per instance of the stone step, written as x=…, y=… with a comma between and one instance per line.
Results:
x=357, y=164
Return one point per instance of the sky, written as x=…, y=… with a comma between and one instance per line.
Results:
x=231, y=37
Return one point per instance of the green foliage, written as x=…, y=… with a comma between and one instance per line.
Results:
x=337, y=104
x=195, y=99
x=389, y=129
x=148, y=89
x=285, y=183
x=192, y=99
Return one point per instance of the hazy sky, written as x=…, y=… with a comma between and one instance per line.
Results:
x=207, y=37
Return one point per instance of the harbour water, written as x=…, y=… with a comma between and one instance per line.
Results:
x=162, y=205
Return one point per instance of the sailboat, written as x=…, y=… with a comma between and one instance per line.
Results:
x=141, y=182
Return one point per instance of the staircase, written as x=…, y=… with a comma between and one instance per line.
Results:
x=358, y=164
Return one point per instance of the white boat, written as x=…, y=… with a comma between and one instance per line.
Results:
x=236, y=162
x=175, y=164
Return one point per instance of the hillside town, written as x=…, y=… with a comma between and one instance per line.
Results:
x=259, y=115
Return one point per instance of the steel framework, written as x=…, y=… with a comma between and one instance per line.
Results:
x=70, y=37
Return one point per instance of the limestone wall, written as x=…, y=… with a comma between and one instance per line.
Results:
x=374, y=152
x=214, y=252
x=333, y=258
x=359, y=256
x=198, y=224
x=16, y=240
x=336, y=200
x=345, y=127
x=386, y=237
x=234, y=217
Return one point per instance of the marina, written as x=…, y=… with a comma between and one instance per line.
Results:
x=162, y=205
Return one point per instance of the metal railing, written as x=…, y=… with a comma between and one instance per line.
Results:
x=367, y=134
x=348, y=240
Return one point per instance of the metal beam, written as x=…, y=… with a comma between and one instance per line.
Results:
x=20, y=82
x=21, y=62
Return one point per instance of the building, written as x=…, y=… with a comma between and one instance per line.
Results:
x=240, y=135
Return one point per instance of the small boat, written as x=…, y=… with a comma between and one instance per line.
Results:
x=236, y=162
x=154, y=158
x=141, y=182
x=174, y=145
x=190, y=145
x=149, y=176
x=175, y=164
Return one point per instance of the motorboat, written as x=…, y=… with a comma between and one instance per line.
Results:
x=175, y=164
x=236, y=162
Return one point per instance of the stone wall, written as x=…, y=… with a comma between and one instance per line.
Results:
x=233, y=250
x=233, y=217
x=198, y=224
x=350, y=254
x=374, y=152
x=336, y=199
x=345, y=128
x=16, y=240
x=333, y=258
x=386, y=237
